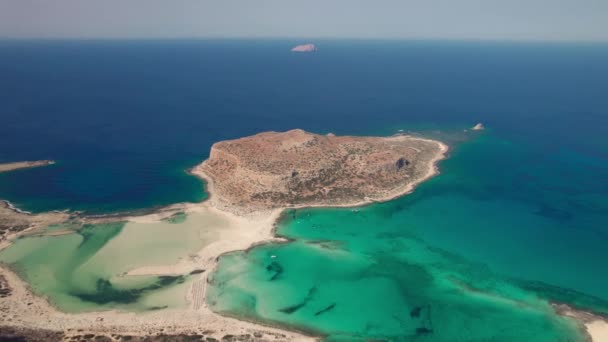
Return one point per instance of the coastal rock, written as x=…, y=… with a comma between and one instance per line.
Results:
x=478, y=127
x=304, y=48
x=298, y=168
x=5, y=167
x=14, y=220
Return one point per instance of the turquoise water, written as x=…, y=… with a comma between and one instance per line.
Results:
x=84, y=268
x=53, y=266
x=519, y=210
x=457, y=260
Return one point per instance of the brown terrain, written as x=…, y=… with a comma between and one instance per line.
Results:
x=269, y=170
x=298, y=168
x=13, y=221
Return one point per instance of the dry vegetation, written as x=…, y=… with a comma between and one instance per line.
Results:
x=297, y=168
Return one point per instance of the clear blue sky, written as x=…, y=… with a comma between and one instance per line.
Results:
x=420, y=19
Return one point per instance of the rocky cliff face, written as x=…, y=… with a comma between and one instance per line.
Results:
x=278, y=169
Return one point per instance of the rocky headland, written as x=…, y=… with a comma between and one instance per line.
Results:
x=297, y=169
x=250, y=180
x=5, y=167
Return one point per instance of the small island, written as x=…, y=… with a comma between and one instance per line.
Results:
x=304, y=48
x=251, y=181
x=299, y=169
x=478, y=127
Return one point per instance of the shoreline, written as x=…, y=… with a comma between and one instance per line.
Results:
x=596, y=327
x=31, y=307
x=196, y=318
x=12, y=166
x=265, y=224
x=12, y=207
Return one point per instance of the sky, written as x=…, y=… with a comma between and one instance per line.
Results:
x=571, y=20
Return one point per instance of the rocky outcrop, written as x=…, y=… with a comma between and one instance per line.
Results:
x=478, y=127
x=298, y=168
x=14, y=220
x=304, y=48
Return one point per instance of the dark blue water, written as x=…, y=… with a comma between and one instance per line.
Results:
x=528, y=198
x=125, y=119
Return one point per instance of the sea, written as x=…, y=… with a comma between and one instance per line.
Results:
x=516, y=220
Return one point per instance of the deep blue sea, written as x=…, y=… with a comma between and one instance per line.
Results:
x=528, y=196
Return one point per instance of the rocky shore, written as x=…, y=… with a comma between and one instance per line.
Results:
x=249, y=181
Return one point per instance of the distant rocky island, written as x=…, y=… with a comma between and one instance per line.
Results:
x=304, y=48
x=478, y=127
x=298, y=168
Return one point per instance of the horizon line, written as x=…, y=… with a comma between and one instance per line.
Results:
x=308, y=39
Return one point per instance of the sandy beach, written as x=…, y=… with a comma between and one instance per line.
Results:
x=242, y=230
x=22, y=308
x=595, y=326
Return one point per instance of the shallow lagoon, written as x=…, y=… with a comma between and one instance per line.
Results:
x=474, y=254
x=85, y=270
x=531, y=206
x=352, y=279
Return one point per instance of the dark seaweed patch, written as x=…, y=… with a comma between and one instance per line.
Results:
x=329, y=308
x=415, y=312
x=423, y=331
x=168, y=280
x=154, y=308
x=293, y=308
x=105, y=292
x=275, y=268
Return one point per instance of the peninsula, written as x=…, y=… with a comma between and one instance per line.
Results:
x=250, y=180
x=302, y=169
x=6, y=167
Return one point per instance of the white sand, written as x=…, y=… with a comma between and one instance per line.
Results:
x=23, y=309
x=598, y=330
x=232, y=232
x=236, y=232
